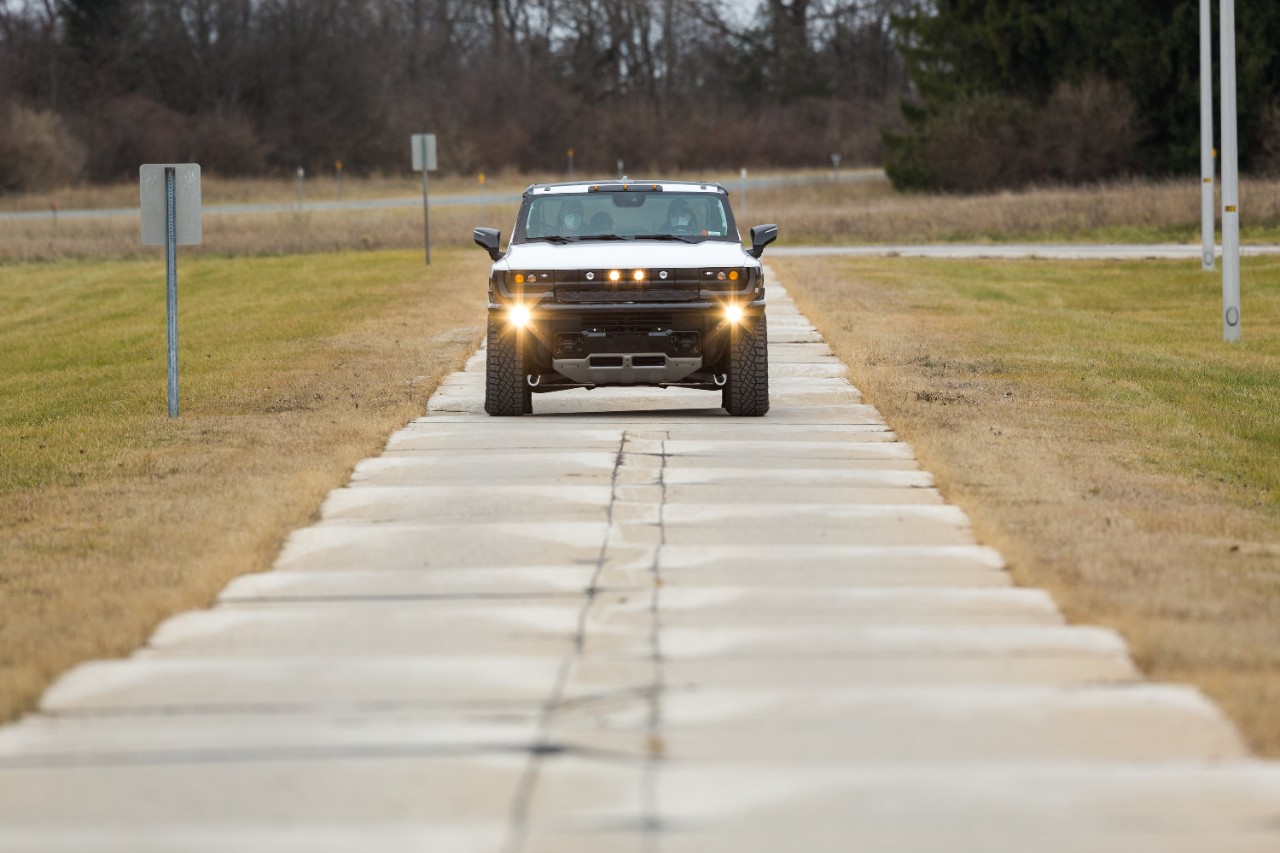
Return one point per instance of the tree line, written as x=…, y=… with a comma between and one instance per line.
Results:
x=89, y=89
x=949, y=94
x=1009, y=92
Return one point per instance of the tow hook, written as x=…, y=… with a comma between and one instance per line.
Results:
x=534, y=381
x=720, y=379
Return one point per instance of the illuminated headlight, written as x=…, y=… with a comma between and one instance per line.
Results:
x=518, y=316
x=733, y=313
x=615, y=275
x=638, y=275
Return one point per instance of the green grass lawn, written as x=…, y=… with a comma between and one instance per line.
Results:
x=292, y=369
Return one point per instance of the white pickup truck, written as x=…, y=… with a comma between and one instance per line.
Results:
x=626, y=283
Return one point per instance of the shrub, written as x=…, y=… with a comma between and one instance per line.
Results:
x=37, y=152
x=1084, y=132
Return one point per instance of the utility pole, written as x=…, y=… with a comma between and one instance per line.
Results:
x=1207, y=213
x=1230, y=179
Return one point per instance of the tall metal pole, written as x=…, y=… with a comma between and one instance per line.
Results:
x=1207, y=213
x=426, y=213
x=171, y=284
x=1230, y=179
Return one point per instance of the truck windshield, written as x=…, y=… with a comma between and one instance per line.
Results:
x=563, y=217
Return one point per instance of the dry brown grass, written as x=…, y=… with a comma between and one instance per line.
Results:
x=215, y=190
x=1132, y=211
x=293, y=370
x=1089, y=419
x=252, y=233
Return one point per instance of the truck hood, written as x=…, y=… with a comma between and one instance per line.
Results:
x=649, y=254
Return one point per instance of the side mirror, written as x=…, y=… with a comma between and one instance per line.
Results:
x=761, y=236
x=488, y=239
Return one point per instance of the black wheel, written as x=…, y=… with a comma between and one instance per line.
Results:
x=747, y=394
x=506, y=392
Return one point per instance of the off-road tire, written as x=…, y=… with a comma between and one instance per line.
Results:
x=506, y=393
x=747, y=392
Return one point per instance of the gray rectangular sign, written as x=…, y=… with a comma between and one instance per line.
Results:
x=186, y=188
x=418, y=139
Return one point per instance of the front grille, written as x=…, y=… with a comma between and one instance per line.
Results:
x=627, y=293
x=622, y=323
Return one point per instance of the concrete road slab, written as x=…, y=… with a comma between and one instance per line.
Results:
x=123, y=740
x=743, y=606
x=344, y=683
x=754, y=491
x=743, y=451
x=526, y=583
x=811, y=514
x=833, y=642
x=610, y=673
x=902, y=530
x=349, y=546
x=976, y=808
x=511, y=626
x=1112, y=723
x=864, y=477
x=548, y=504
x=344, y=786
x=310, y=835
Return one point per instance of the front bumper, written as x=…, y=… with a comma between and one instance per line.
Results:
x=650, y=343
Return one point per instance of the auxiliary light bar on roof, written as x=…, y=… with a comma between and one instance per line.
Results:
x=625, y=188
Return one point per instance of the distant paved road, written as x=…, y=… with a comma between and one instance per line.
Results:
x=1048, y=251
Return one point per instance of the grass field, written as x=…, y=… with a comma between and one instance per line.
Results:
x=292, y=370
x=1098, y=431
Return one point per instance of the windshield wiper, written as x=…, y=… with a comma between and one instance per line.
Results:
x=603, y=237
x=551, y=238
x=683, y=238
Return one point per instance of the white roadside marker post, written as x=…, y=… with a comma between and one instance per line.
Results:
x=1230, y=179
x=1207, y=213
x=170, y=208
x=744, y=192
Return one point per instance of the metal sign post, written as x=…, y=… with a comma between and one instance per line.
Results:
x=170, y=207
x=1230, y=179
x=1207, y=217
x=423, y=147
x=744, y=192
x=171, y=282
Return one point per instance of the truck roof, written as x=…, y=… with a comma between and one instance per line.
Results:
x=625, y=184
